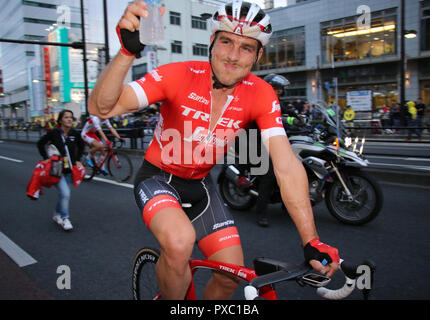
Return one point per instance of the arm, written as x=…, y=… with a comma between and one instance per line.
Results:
x=42, y=143
x=110, y=97
x=293, y=183
x=115, y=133
x=102, y=135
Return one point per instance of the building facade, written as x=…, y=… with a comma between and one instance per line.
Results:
x=316, y=41
x=313, y=42
x=186, y=35
x=24, y=85
x=29, y=94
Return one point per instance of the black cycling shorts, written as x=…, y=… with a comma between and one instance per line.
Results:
x=155, y=189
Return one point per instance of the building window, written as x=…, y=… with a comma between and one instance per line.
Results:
x=175, y=18
x=425, y=25
x=176, y=46
x=49, y=22
x=39, y=4
x=138, y=71
x=200, y=50
x=285, y=49
x=198, y=23
x=341, y=40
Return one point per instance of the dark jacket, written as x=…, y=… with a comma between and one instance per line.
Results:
x=73, y=140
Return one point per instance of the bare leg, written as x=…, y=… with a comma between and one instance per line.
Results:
x=221, y=286
x=176, y=237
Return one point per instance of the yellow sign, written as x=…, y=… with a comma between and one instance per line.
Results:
x=349, y=115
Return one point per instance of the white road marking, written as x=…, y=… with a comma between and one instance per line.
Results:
x=17, y=254
x=399, y=158
x=127, y=185
x=11, y=159
x=423, y=168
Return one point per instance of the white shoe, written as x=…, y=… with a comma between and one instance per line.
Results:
x=64, y=223
x=57, y=219
x=67, y=225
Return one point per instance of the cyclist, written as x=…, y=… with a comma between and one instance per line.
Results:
x=91, y=127
x=205, y=104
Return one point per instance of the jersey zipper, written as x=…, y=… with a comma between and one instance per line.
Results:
x=210, y=134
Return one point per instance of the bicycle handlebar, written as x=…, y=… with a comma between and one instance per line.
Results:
x=117, y=141
x=349, y=271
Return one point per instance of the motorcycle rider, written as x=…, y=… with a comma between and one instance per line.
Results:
x=268, y=181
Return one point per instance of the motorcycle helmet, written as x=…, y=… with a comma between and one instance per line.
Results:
x=277, y=81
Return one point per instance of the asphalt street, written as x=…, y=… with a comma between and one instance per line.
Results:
x=108, y=232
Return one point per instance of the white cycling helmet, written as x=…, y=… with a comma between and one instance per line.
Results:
x=256, y=23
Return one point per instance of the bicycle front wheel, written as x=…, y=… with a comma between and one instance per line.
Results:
x=144, y=282
x=120, y=167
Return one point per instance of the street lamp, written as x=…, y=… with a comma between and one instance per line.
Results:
x=410, y=34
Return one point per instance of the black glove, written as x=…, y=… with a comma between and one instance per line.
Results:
x=130, y=43
x=316, y=250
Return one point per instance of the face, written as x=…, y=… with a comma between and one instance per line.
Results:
x=279, y=91
x=233, y=57
x=67, y=120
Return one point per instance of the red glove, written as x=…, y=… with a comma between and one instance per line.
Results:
x=108, y=143
x=316, y=250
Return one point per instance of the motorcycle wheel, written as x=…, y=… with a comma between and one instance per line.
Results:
x=235, y=197
x=367, y=198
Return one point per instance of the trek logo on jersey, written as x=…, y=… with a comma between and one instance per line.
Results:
x=275, y=106
x=224, y=122
x=143, y=196
x=195, y=97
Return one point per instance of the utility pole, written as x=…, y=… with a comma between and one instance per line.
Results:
x=402, y=61
x=84, y=48
x=105, y=16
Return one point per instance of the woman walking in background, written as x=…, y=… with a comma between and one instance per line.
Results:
x=71, y=147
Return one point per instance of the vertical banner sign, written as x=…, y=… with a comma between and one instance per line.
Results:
x=47, y=71
x=62, y=36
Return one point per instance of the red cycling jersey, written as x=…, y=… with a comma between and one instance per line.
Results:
x=182, y=144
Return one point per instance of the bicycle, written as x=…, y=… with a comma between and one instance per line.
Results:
x=119, y=165
x=261, y=280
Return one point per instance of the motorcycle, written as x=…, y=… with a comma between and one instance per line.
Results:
x=333, y=164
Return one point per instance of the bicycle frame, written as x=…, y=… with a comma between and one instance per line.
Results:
x=105, y=157
x=237, y=271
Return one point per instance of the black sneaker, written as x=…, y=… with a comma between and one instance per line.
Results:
x=263, y=222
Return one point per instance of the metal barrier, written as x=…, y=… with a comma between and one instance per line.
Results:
x=136, y=138
x=139, y=138
x=384, y=130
